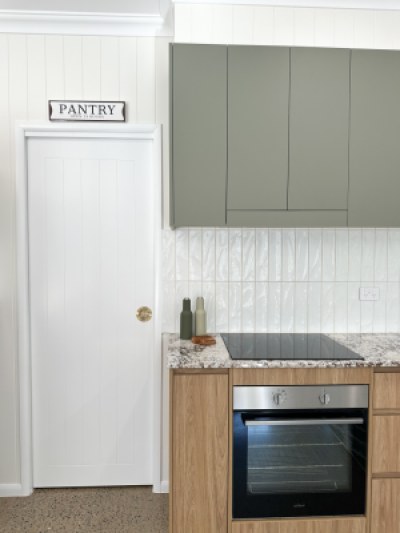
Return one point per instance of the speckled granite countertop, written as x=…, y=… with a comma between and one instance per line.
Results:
x=377, y=349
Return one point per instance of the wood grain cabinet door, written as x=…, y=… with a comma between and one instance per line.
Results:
x=385, y=444
x=385, y=516
x=386, y=390
x=199, y=453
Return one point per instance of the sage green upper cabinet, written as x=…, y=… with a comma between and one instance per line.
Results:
x=199, y=141
x=258, y=95
x=375, y=139
x=319, y=125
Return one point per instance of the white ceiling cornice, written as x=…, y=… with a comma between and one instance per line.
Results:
x=379, y=5
x=80, y=23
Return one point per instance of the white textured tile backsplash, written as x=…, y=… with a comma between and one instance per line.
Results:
x=284, y=280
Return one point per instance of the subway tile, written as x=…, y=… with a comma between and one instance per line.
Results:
x=364, y=29
x=201, y=27
x=328, y=255
x=393, y=308
x=367, y=316
x=354, y=254
x=340, y=307
x=222, y=307
x=274, y=307
x=209, y=295
x=249, y=254
x=344, y=28
x=284, y=26
x=182, y=253
x=367, y=255
x=379, y=318
x=314, y=307
x=274, y=254
x=261, y=254
x=301, y=308
x=324, y=27
x=287, y=306
x=342, y=254
x=288, y=255
x=222, y=254
x=235, y=307
x=235, y=255
x=195, y=254
x=327, y=307
x=248, y=307
x=301, y=255
x=169, y=310
x=315, y=255
x=261, y=297
x=381, y=255
x=208, y=254
x=304, y=27
x=354, y=308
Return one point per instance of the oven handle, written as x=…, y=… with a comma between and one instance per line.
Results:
x=305, y=422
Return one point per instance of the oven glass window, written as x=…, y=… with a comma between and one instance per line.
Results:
x=301, y=459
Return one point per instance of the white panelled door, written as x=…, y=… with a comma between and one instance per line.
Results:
x=91, y=265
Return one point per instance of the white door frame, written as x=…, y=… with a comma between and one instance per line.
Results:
x=81, y=130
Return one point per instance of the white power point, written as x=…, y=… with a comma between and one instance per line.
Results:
x=370, y=294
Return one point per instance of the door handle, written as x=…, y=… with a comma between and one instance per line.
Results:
x=144, y=314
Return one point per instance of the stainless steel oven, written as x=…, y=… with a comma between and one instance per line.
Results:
x=299, y=451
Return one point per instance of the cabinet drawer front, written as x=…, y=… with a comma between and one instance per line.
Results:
x=353, y=525
x=386, y=390
x=385, y=444
x=385, y=513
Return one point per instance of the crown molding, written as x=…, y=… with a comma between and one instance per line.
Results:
x=77, y=23
x=377, y=5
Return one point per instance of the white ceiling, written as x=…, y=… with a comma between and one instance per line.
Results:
x=139, y=7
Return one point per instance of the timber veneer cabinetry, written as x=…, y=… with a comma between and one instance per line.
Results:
x=201, y=450
x=385, y=515
x=284, y=137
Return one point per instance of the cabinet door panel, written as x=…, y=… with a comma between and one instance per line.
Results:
x=200, y=453
x=319, y=127
x=386, y=390
x=258, y=92
x=375, y=139
x=385, y=447
x=385, y=513
x=198, y=115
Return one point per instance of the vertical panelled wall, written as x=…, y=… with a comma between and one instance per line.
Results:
x=285, y=280
x=34, y=69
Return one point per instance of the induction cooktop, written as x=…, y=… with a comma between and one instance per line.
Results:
x=296, y=346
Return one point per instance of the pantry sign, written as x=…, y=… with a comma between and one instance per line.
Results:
x=86, y=111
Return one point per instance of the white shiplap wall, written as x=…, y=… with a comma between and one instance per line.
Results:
x=285, y=280
x=34, y=69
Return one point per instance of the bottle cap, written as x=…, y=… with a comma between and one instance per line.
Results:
x=200, y=302
x=186, y=304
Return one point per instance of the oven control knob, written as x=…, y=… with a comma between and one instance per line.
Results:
x=324, y=398
x=279, y=397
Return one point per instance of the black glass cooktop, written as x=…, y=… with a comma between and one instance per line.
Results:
x=302, y=346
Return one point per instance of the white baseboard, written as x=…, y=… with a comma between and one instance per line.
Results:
x=11, y=489
x=164, y=487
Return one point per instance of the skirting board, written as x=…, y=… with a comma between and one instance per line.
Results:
x=11, y=490
x=164, y=487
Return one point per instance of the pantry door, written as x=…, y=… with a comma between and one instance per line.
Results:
x=91, y=214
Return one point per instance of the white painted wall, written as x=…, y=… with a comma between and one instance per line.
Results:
x=34, y=69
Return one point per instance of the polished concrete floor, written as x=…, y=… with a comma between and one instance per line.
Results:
x=86, y=510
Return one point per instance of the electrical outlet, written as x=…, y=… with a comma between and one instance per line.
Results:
x=369, y=294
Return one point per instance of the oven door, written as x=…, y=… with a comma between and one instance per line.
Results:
x=299, y=463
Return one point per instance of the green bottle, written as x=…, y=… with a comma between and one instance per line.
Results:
x=186, y=320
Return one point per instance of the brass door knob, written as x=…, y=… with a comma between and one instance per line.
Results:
x=144, y=314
